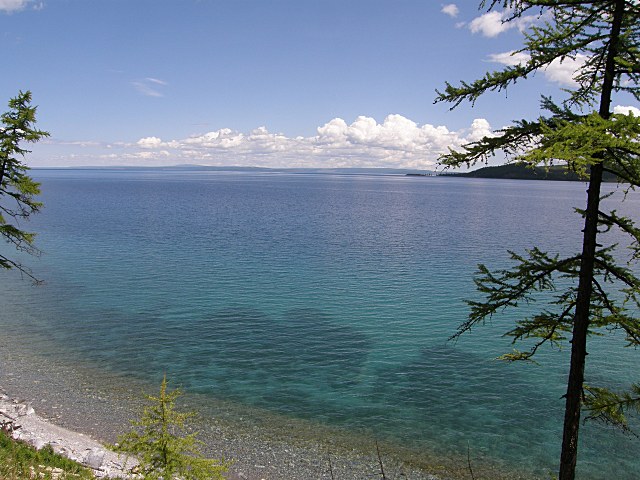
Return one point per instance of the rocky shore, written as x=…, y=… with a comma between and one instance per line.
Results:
x=20, y=420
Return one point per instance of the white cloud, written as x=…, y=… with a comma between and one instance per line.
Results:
x=10, y=6
x=492, y=24
x=88, y=143
x=149, y=86
x=626, y=110
x=149, y=142
x=156, y=81
x=480, y=128
x=451, y=9
x=563, y=71
x=558, y=71
x=510, y=58
x=155, y=142
x=396, y=142
x=333, y=131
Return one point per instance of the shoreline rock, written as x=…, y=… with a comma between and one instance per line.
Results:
x=20, y=420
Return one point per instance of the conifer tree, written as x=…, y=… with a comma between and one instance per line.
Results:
x=17, y=189
x=581, y=132
x=161, y=446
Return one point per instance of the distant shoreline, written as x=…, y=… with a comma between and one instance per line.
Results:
x=240, y=169
x=502, y=172
x=515, y=171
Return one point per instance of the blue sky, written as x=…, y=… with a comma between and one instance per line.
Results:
x=279, y=83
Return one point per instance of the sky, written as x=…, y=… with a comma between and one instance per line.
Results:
x=269, y=83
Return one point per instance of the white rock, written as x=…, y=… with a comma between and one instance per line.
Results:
x=23, y=410
x=94, y=458
x=39, y=444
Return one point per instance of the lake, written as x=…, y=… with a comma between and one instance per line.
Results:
x=328, y=298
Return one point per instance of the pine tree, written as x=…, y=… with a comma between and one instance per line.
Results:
x=583, y=133
x=161, y=446
x=17, y=189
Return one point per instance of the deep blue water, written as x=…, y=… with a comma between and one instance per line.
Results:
x=324, y=297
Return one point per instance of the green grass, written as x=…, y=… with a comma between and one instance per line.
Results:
x=20, y=461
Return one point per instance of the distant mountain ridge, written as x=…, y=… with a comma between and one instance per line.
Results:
x=521, y=172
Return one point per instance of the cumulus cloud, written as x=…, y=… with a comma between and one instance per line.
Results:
x=563, y=71
x=558, y=71
x=395, y=142
x=492, y=24
x=11, y=6
x=626, y=110
x=480, y=128
x=451, y=9
x=149, y=86
x=149, y=142
x=155, y=142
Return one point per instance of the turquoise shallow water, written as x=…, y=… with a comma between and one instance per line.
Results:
x=323, y=297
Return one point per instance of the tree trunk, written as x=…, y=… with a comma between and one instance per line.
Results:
x=569, y=454
x=2, y=170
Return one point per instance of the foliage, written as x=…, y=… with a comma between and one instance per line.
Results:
x=163, y=449
x=17, y=189
x=19, y=460
x=594, y=291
